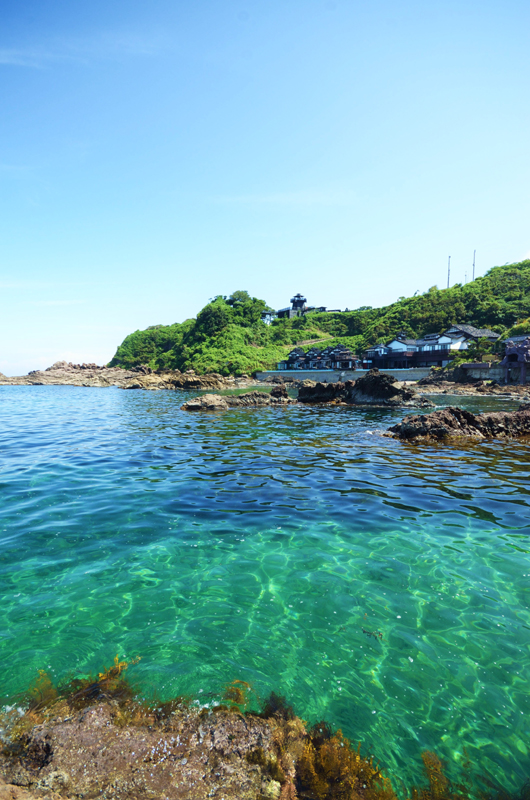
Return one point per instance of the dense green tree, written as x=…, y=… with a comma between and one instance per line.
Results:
x=213, y=318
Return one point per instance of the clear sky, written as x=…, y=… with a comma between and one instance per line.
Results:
x=155, y=154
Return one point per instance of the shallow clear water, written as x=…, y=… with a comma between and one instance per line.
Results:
x=258, y=544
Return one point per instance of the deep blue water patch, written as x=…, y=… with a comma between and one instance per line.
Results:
x=266, y=545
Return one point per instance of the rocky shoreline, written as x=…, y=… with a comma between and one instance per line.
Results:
x=385, y=390
x=90, y=375
x=433, y=385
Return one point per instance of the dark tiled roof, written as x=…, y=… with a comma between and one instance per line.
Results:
x=515, y=339
x=477, y=333
x=422, y=342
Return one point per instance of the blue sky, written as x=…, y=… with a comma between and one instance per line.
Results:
x=155, y=154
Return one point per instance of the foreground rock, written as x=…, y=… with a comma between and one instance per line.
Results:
x=95, y=738
x=216, y=402
x=101, y=752
x=127, y=750
x=374, y=388
x=66, y=374
x=455, y=422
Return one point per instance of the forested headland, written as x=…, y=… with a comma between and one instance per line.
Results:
x=228, y=336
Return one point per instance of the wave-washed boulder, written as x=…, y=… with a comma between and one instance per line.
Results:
x=456, y=422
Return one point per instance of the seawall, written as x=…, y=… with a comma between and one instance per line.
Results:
x=334, y=375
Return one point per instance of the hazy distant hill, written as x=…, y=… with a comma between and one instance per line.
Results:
x=229, y=337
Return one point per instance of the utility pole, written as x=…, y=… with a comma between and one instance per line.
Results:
x=448, y=271
x=474, y=251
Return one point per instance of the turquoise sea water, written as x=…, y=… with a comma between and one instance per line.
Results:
x=257, y=545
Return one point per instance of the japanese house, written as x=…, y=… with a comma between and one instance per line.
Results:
x=433, y=350
x=337, y=357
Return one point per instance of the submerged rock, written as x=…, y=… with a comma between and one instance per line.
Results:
x=454, y=421
x=216, y=402
x=374, y=388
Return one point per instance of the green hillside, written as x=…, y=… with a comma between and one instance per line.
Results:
x=229, y=337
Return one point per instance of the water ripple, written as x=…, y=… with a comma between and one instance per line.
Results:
x=259, y=545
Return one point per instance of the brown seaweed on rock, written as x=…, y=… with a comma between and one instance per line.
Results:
x=330, y=769
x=198, y=751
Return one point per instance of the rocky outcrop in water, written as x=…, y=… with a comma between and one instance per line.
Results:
x=63, y=373
x=217, y=402
x=456, y=422
x=374, y=388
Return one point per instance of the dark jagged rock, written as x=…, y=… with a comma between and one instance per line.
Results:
x=456, y=422
x=310, y=392
x=374, y=388
x=279, y=391
x=378, y=386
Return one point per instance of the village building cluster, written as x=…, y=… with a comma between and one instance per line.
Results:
x=432, y=350
x=338, y=357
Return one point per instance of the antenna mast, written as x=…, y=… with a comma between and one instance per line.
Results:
x=474, y=251
x=448, y=271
